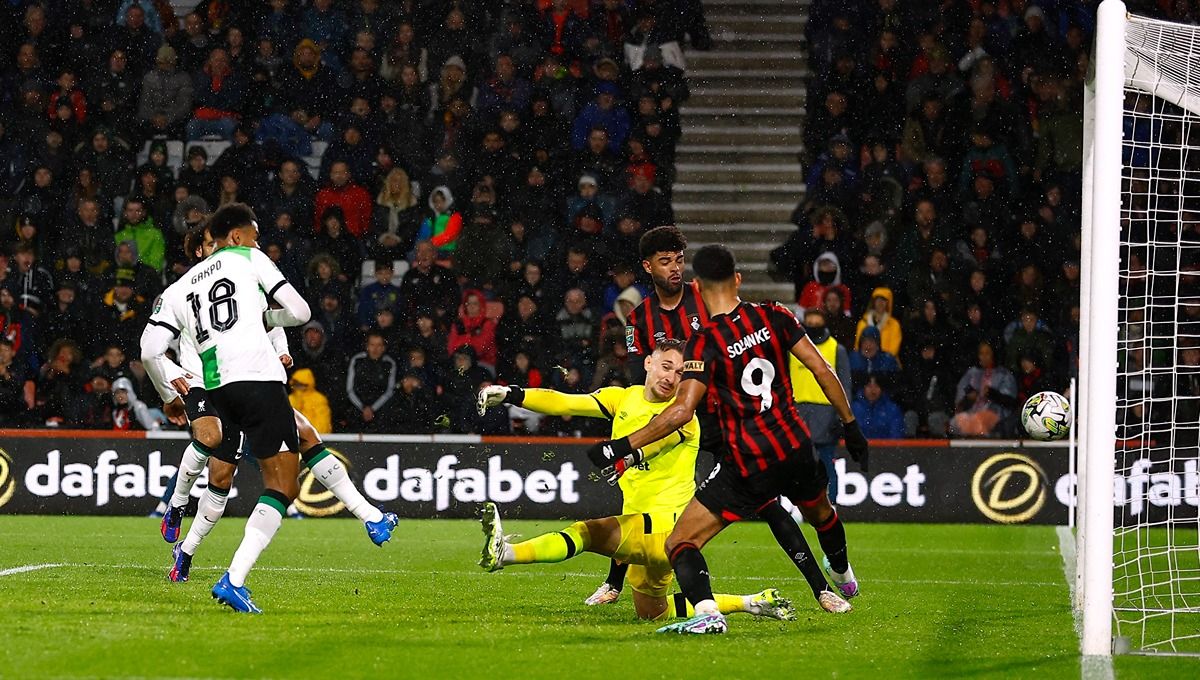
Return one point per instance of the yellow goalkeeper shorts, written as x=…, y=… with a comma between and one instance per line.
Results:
x=643, y=547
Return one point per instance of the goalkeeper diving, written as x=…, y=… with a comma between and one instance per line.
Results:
x=657, y=482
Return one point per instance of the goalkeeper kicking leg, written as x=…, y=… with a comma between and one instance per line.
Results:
x=222, y=466
x=630, y=539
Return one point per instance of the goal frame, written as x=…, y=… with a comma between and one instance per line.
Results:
x=1100, y=289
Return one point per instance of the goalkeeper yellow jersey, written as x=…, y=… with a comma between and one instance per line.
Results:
x=666, y=481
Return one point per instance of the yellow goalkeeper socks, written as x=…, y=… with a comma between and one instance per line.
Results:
x=727, y=604
x=555, y=547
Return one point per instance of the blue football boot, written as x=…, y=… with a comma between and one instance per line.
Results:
x=171, y=522
x=238, y=599
x=183, y=564
x=381, y=532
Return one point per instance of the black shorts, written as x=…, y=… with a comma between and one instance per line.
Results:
x=728, y=495
x=197, y=404
x=262, y=411
x=711, y=439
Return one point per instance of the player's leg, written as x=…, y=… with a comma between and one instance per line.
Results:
x=768, y=603
x=601, y=536
x=206, y=436
x=789, y=536
x=222, y=466
x=267, y=419
x=809, y=494
x=695, y=528
x=328, y=469
x=609, y=591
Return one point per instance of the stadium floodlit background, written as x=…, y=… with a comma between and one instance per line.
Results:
x=907, y=167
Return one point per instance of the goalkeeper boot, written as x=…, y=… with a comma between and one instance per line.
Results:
x=700, y=624
x=605, y=594
x=769, y=603
x=845, y=582
x=171, y=522
x=238, y=599
x=494, y=542
x=183, y=564
x=381, y=532
x=833, y=603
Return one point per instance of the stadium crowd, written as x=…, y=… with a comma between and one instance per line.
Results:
x=457, y=185
x=940, y=235
x=459, y=188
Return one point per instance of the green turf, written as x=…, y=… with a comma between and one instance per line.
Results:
x=938, y=601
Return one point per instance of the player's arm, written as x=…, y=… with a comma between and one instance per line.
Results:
x=278, y=339
x=598, y=404
x=810, y=356
x=616, y=455
x=167, y=377
x=690, y=430
x=294, y=310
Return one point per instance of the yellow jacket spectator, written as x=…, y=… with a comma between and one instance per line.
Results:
x=307, y=400
x=879, y=315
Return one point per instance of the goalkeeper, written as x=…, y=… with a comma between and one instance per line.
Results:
x=657, y=482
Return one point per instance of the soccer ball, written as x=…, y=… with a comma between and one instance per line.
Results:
x=1047, y=416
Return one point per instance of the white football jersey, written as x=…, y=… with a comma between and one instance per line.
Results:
x=217, y=309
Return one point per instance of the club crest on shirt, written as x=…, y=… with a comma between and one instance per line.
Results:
x=157, y=304
x=629, y=343
x=695, y=322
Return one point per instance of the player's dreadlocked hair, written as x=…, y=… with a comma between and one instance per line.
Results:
x=229, y=217
x=193, y=241
x=670, y=345
x=664, y=239
x=714, y=264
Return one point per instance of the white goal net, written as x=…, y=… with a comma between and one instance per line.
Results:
x=1155, y=571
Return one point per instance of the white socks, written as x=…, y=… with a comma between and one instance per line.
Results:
x=208, y=513
x=194, y=460
x=330, y=472
x=260, y=529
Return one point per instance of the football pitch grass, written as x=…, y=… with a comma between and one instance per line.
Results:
x=938, y=601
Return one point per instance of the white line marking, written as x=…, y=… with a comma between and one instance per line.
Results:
x=517, y=571
x=1090, y=667
x=29, y=567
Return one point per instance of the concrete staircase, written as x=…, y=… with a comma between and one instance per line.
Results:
x=738, y=174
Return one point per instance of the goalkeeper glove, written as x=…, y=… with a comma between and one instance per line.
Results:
x=494, y=395
x=606, y=453
x=856, y=444
x=612, y=473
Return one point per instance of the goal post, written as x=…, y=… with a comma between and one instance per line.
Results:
x=1100, y=286
x=1137, y=522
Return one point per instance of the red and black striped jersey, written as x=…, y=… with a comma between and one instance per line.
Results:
x=648, y=322
x=743, y=358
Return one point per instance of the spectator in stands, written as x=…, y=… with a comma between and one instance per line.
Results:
x=306, y=399
x=428, y=287
x=353, y=200
x=218, y=92
x=877, y=414
x=197, y=177
x=917, y=243
x=415, y=403
x=243, y=160
x=291, y=191
x=645, y=202
x=871, y=360
x=879, y=316
x=473, y=328
x=19, y=328
x=837, y=317
x=443, y=225
x=165, y=101
x=60, y=387
x=396, y=217
x=139, y=227
x=985, y=397
x=576, y=324
x=112, y=168
x=17, y=389
x=504, y=90
x=378, y=296
x=137, y=39
x=124, y=313
x=1030, y=338
x=370, y=386
x=928, y=390
x=312, y=87
x=827, y=274
x=927, y=133
x=605, y=113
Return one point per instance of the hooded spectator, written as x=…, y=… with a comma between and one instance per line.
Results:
x=474, y=329
x=879, y=316
x=827, y=274
x=443, y=227
x=306, y=399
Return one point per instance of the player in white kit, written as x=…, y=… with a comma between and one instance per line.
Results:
x=222, y=453
x=224, y=309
